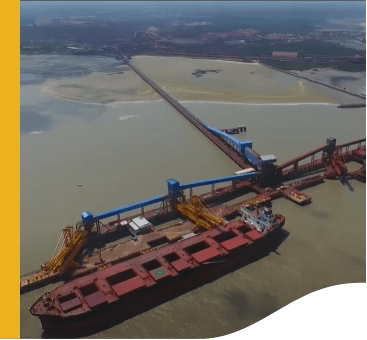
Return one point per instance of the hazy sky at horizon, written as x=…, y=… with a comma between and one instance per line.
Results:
x=340, y=9
x=279, y=13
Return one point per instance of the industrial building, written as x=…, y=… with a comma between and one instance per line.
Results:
x=285, y=54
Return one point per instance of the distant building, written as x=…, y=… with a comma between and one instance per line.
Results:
x=234, y=42
x=285, y=54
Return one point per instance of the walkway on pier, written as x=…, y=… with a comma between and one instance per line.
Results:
x=230, y=152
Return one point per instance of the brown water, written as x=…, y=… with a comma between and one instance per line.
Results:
x=123, y=154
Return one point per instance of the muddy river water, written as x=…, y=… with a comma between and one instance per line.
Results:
x=91, y=121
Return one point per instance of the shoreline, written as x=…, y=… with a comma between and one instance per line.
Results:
x=292, y=73
x=237, y=90
x=197, y=58
x=238, y=83
x=114, y=104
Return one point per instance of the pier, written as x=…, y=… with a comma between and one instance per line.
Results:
x=315, y=81
x=333, y=159
x=245, y=157
x=260, y=175
x=230, y=152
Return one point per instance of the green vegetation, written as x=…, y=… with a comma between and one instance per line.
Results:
x=301, y=66
x=42, y=47
x=311, y=48
x=305, y=48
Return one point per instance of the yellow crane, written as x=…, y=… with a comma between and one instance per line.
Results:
x=73, y=242
x=196, y=212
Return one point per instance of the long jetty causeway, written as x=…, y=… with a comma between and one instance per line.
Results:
x=231, y=153
x=287, y=170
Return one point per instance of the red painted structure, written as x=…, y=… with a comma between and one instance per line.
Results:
x=285, y=54
x=333, y=163
x=122, y=288
x=296, y=160
x=360, y=157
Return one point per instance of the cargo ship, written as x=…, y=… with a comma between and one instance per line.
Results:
x=115, y=293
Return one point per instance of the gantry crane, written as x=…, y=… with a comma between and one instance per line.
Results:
x=197, y=213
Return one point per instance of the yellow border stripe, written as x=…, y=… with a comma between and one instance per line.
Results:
x=10, y=234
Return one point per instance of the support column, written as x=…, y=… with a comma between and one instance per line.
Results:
x=100, y=256
x=233, y=184
x=98, y=227
x=295, y=166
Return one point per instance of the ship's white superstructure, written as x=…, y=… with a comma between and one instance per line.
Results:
x=261, y=222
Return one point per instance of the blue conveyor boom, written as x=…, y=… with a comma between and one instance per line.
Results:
x=130, y=207
x=175, y=188
x=217, y=180
x=88, y=218
x=236, y=144
x=174, y=191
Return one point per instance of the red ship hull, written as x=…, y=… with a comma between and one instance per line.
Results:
x=141, y=300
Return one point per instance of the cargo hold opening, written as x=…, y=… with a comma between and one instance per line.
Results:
x=196, y=247
x=121, y=277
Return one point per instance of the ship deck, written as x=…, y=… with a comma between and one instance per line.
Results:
x=145, y=242
x=122, y=251
x=109, y=284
